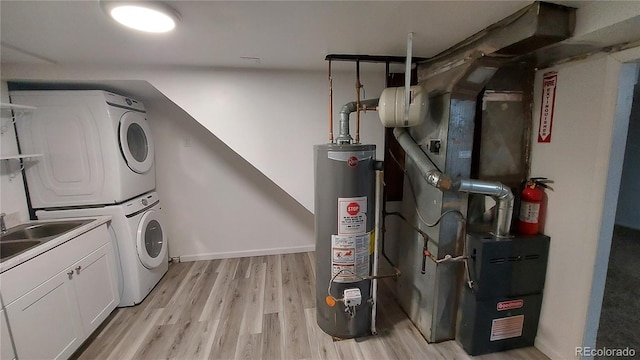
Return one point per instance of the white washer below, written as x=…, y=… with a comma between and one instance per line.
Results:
x=137, y=226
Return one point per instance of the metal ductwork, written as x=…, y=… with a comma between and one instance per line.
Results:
x=457, y=81
x=467, y=66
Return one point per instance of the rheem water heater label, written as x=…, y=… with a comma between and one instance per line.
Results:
x=350, y=257
x=352, y=215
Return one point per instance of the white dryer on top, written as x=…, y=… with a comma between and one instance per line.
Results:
x=97, y=148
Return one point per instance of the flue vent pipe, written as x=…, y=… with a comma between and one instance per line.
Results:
x=503, y=195
x=427, y=169
x=344, y=137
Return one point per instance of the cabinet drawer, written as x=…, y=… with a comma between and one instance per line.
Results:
x=27, y=276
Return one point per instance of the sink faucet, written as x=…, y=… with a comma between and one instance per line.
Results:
x=3, y=226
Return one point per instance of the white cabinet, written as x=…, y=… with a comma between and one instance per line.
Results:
x=6, y=348
x=53, y=319
x=44, y=322
x=95, y=287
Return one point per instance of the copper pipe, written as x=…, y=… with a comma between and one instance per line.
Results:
x=358, y=86
x=330, y=105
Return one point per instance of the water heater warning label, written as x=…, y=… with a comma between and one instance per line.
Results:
x=352, y=216
x=350, y=257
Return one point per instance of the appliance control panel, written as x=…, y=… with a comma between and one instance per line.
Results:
x=141, y=202
x=352, y=297
x=123, y=102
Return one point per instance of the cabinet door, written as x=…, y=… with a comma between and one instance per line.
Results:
x=96, y=287
x=6, y=348
x=45, y=322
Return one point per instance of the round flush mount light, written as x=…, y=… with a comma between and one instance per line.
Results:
x=143, y=16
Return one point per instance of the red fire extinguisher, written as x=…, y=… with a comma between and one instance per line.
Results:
x=531, y=199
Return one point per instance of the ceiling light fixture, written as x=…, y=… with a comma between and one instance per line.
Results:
x=144, y=16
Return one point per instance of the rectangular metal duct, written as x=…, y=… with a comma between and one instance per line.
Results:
x=454, y=80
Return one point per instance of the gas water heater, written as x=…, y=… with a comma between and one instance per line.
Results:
x=345, y=214
x=344, y=224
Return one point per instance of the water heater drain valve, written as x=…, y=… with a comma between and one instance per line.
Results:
x=352, y=297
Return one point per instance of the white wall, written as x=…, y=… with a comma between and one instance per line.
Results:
x=216, y=203
x=12, y=196
x=248, y=187
x=270, y=118
x=628, y=212
x=579, y=220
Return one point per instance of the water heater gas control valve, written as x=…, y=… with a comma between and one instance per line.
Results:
x=352, y=297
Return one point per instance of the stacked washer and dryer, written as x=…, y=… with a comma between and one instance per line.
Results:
x=98, y=160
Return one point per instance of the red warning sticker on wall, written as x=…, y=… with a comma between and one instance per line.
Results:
x=549, y=82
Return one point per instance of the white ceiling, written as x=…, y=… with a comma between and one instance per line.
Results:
x=283, y=34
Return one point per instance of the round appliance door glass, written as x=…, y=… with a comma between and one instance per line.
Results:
x=151, y=240
x=136, y=143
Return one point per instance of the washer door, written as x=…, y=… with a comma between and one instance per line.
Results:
x=151, y=240
x=136, y=143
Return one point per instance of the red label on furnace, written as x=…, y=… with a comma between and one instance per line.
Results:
x=352, y=161
x=510, y=305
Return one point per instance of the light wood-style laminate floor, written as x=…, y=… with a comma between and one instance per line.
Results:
x=254, y=308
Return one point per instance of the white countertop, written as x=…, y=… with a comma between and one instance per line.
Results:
x=42, y=248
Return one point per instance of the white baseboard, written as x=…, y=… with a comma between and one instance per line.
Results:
x=544, y=347
x=247, y=253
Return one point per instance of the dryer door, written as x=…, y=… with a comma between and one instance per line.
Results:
x=151, y=241
x=136, y=143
